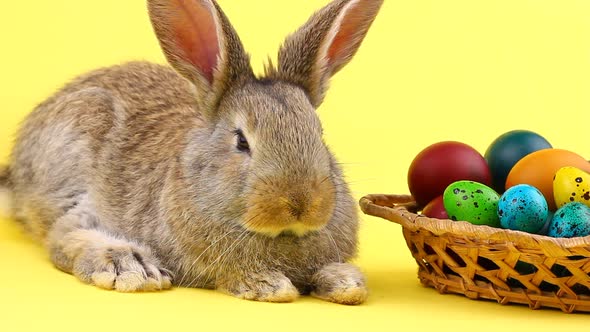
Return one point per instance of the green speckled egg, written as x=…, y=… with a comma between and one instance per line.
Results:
x=571, y=220
x=473, y=202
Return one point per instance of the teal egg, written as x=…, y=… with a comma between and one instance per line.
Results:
x=523, y=208
x=571, y=220
x=506, y=150
x=473, y=202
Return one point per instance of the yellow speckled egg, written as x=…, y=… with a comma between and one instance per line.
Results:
x=571, y=184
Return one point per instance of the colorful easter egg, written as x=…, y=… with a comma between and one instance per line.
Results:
x=506, y=150
x=472, y=202
x=538, y=169
x=436, y=209
x=523, y=208
x=441, y=164
x=571, y=220
x=571, y=184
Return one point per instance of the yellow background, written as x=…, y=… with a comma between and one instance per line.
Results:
x=429, y=70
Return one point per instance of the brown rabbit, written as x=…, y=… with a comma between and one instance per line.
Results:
x=136, y=177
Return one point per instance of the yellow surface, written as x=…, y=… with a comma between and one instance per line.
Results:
x=429, y=70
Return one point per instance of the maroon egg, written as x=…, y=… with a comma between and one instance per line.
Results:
x=436, y=209
x=441, y=164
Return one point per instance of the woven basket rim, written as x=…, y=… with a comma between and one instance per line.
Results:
x=402, y=209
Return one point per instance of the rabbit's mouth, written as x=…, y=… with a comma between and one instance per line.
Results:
x=278, y=218
x=299, y=210
x=298, y=229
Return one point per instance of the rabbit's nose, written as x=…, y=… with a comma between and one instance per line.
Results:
x=296, y=211
x=297, y=205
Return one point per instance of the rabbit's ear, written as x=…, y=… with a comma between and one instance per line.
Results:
x=326, y=43
x=201, y=44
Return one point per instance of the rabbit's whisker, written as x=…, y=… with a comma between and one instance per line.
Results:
x=335, y=246
x=186, y=272
x=236, y=245
x=325, y=179
x=228, y=249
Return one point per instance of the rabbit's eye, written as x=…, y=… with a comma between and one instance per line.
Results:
x=242, y=142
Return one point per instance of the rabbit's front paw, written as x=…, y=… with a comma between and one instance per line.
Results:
x=266, y=287
x=340, y=283
x=125, y=268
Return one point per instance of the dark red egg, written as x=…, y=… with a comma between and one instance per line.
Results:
x=441, y=164
x=436, y=209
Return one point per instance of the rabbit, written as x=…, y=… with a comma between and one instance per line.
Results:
x=140, y=176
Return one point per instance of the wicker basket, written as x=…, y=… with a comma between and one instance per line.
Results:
x=483, y=262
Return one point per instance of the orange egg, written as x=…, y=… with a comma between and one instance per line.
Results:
x=538, y=169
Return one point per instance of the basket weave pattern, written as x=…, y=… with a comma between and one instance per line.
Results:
x=483, y=262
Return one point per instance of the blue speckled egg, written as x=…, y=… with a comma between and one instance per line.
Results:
x=523, y=208
x=473, y=202
x=571, y=220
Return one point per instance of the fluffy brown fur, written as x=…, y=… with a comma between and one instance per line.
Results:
x=4, y=176
x=5, y=192
x=134, y=178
